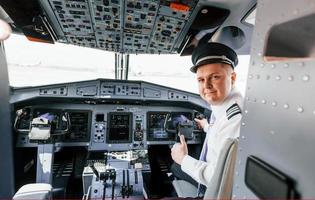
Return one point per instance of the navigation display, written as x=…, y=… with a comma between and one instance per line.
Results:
x=57, y=119
x=156, y=125
x=179, y=117
x=163, y=125
x=119, y=127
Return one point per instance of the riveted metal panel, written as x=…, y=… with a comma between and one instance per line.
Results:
x=279, y=112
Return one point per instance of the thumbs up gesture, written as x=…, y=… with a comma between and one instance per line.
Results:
x=179, y=150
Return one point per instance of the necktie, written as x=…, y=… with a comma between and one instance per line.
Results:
x=203, y=156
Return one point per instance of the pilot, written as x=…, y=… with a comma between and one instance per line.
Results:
x=214, y=65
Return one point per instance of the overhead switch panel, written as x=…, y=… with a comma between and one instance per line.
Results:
x=125, y=26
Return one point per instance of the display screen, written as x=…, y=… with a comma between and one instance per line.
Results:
x=57, y=119
x=163, y=125
x=179, y=117
x=99, y=117
x=66, y=125
x=119, y=128
x=156, y=125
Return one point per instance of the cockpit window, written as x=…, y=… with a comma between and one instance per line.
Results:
x=33, y=64
x=250, y=17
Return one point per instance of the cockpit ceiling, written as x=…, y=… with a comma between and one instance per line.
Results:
x=150, y=26
x=124, y=26
x=145, y=27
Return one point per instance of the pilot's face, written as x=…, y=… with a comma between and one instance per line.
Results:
x=215, y=82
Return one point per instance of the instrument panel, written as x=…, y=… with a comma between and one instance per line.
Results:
x=105, y=115
x=103, y=127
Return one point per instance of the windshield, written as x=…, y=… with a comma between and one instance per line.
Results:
x=33, y=64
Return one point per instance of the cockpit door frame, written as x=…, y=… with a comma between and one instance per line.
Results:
x=6, y=143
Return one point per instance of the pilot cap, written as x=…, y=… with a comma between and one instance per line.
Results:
x=213, y=53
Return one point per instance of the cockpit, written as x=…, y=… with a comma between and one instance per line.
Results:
x=111, y=136
x=103, y=123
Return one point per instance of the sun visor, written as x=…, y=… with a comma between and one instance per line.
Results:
x=207, y=21
x=28, y=18
x=209, y=17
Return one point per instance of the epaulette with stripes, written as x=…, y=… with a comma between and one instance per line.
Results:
x=233, y=110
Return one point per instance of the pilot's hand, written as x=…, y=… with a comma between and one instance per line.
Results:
x=201, y=123
x=179, y=150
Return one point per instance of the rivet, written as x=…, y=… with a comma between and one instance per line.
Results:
x=290, y=78
x=243, y=123
x=286, y=65
x=246, y=111
x=253, y=63
x=258, y=76
x=259, y=54
x=295, y=12
x=272, y=132
x=286, y=106
x=248, y=87
x=247, y=98
x=263, y=101
x=267, y=77
x=274, y=104
x=234, y=196
x=254, y=99
x=262, y=64
x=306, y=78
x=239, y=162
x=237, y=186
x=314, y=112
x=301, y=64
x=278, y=78
x=250, y=76
x=273, y=66
x=243, y=137
x=300, y=109
x=237, y=173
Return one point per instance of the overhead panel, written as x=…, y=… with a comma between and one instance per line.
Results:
x=75, y=21
x=126, y=26
x=165, y=33
x=139, y=21
x=107, y=24
x=172, y=17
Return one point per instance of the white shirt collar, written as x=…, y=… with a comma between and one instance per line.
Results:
x=234, y=97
